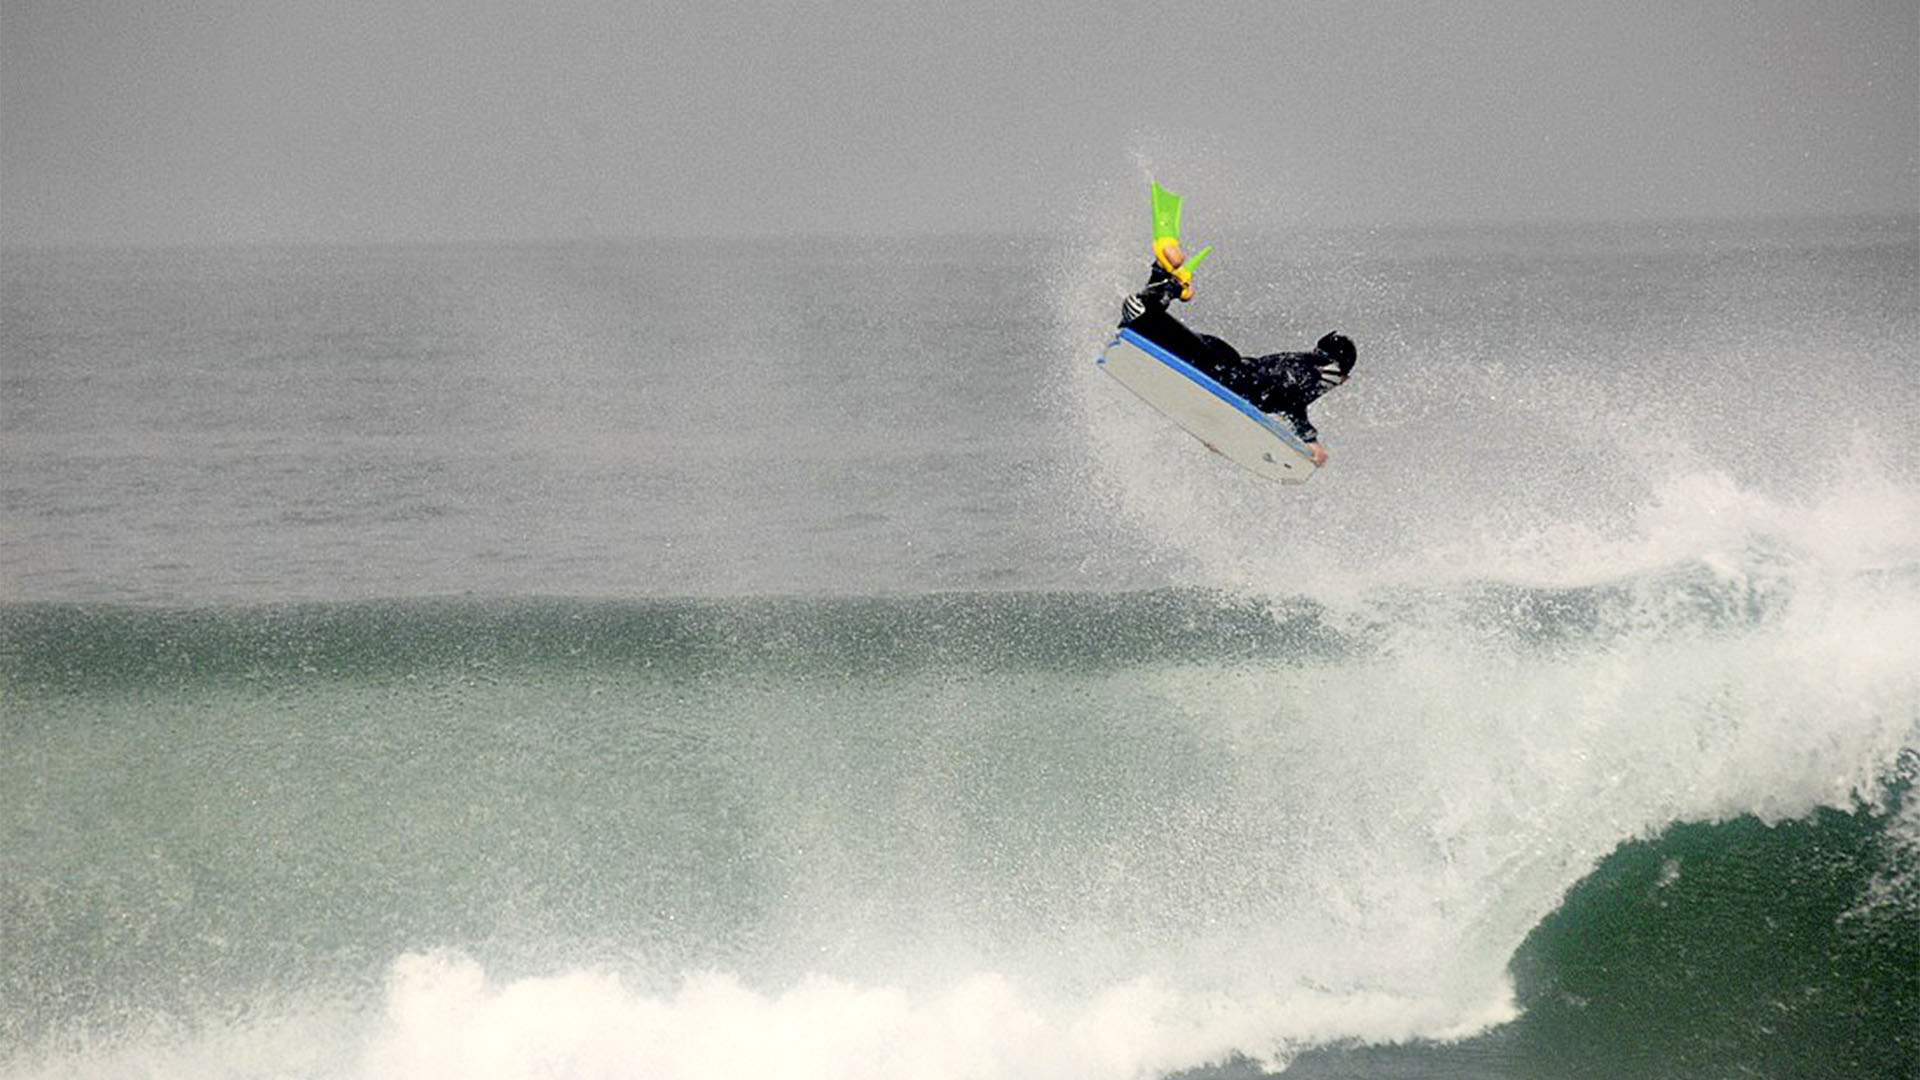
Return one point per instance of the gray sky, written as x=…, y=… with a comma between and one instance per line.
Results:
x=153, y=121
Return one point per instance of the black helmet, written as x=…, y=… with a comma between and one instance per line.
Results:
x=1338, y=348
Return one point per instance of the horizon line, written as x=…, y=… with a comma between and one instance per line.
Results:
x=1889, y=217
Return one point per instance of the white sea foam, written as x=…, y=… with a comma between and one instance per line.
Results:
x=442, y=1017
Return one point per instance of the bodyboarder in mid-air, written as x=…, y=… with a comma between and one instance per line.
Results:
x=1282, y=383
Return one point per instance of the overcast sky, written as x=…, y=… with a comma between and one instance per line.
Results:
x=156, y=121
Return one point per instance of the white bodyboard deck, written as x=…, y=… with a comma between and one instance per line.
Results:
x=1219, y=418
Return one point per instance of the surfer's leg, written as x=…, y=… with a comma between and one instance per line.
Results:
x=1220, y=350
x=1221, y=359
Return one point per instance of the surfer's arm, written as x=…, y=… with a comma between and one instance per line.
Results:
x=1303, y=427
x=1297, y=417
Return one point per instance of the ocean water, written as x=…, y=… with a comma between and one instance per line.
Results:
x=791, y=659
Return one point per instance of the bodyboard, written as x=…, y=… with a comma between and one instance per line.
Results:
x=1224, y=421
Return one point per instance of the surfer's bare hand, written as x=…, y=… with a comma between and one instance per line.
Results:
x=1319, y=454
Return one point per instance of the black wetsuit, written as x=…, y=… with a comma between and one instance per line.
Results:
x=1280, y=383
